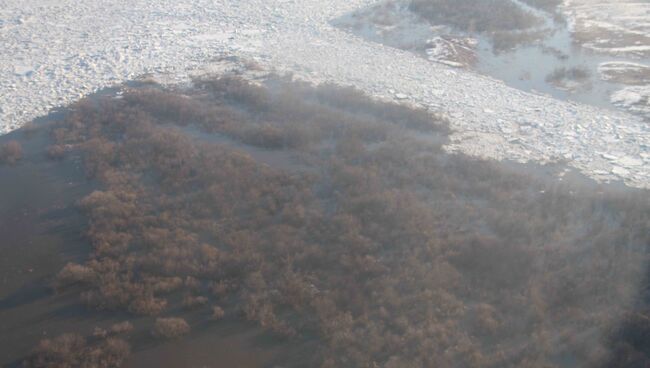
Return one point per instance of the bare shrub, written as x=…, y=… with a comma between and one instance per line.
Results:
x=217, y=313
x=221, y=288
x=165, y=284
x=56, y=152
x=72, y=350
x=485, y=319
x=147, y=305
x=378, y=247
x=169, y=328
x=191, y=283
x=193, y=302
x=11, y=152
x=121, y=328
x=63, y=351
x=100, y=333
x=73, y=274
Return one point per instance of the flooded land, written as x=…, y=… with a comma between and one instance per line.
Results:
x=325, y=183
x=280, y=224
x=43, y=231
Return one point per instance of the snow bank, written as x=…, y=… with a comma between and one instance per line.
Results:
x=55, y=52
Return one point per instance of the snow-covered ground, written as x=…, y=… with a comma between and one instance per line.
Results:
x=54, y=51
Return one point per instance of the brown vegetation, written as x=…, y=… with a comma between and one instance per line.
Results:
x=193, y=302
x=217, y=313
x=74, y=351
x=366, y=237
x=169, y=328
x=121, y=328
x=116, y=329
x=11, y=152
x=56, y=152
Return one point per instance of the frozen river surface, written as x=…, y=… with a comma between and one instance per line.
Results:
x=54, y=52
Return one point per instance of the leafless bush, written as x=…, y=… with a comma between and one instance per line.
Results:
x=56, y=152
x=169, y=328
x=217, y=313
x=193, y=302
x=121, y=328
x=100, y=333
x=11, y=152
x=485, y=319
x=147, y=305
x=72, y=350
x=384, y=250
x=74, y=273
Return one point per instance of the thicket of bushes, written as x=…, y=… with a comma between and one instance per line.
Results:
x=375, y=243
x=169, y=328
x=75, y=351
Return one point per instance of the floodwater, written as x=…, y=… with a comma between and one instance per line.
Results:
x=41, y=230
x=525, y=67
x=216, y=345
